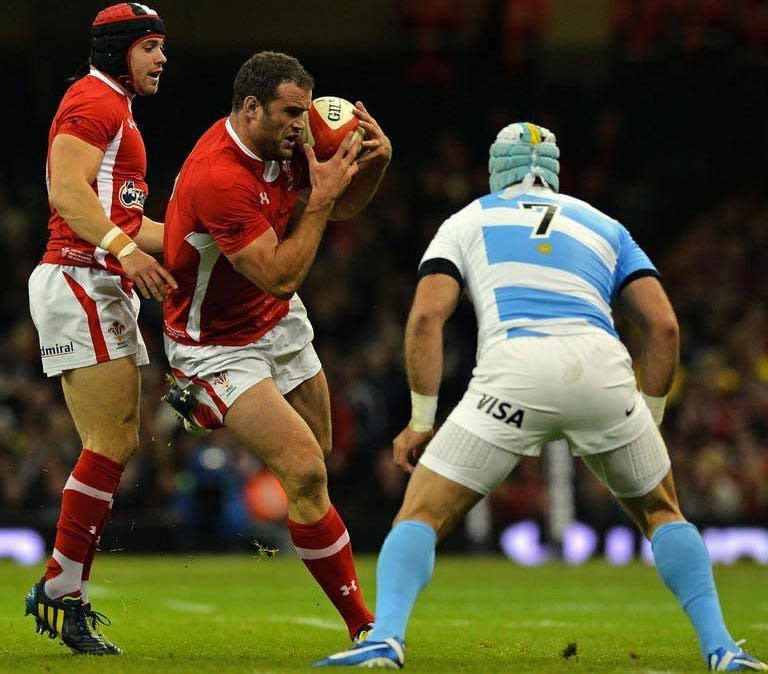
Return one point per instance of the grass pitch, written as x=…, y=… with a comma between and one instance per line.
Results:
x=258, y=616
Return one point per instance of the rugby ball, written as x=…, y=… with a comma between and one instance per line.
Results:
x=329, y=120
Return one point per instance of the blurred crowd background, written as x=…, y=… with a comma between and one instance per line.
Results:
x=659, y=108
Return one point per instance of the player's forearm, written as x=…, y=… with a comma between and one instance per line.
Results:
x=659, y=359
x=150, y=236
x=424, y=353
x=283, y=270
x=360, y=191
x=78, y=204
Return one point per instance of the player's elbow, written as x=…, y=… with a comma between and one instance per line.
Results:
x=282, y=292
x=666, y=329
x=664, y=335
x=282, y=289
x=425, y=320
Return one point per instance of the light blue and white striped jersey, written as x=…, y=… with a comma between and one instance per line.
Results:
x=535, y=262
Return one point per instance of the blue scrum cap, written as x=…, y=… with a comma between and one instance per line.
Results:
x=521, y=153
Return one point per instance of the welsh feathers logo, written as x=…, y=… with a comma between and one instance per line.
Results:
x=132, y=196
x=117, y=330
x=221, y=381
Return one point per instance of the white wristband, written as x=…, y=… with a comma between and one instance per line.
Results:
x=127, y=249
x=656, y=405
x=423, y=410
x=109, y=237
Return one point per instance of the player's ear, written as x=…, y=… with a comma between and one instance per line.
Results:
x=251, y=105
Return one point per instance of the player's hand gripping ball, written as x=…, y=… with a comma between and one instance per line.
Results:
x=329, y=120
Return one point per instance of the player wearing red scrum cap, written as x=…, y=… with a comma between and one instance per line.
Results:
x=83, y=302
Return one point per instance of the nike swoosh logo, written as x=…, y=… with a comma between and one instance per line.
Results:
x=629, y=411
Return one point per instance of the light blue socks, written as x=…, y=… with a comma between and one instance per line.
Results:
x=405, y=565
x=683, y=564
x=407, y=560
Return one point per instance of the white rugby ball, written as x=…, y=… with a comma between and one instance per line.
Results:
x=329, y=120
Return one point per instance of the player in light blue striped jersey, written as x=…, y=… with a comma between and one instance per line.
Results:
x=543, y=271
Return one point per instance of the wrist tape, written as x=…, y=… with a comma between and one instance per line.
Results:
x=423, y=410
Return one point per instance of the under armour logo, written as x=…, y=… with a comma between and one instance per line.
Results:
x=346, y=590
x=263, y=198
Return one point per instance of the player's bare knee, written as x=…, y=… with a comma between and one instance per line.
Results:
x=126, y=435
x=117, y=447
x=656, y=508
x=306, y=478
x=658, y=513
x=441, y=519
x=117, y=440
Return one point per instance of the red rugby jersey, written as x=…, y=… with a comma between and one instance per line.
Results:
x=98, y=111
x=224, y=198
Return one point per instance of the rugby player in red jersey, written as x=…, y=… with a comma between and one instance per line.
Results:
x=83, y=302
x=243, y=226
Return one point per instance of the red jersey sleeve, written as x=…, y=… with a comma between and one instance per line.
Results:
x=232, y=216
x=90, y=119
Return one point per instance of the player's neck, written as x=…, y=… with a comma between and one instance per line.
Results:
x=239, y=126
x=112, y=82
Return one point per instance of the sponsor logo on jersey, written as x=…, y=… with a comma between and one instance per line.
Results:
x=76, y=255
x=132, y=196
x=57, y=350
x=501, y=410
x=117, y=330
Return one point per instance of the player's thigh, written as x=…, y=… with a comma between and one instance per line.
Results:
x=263, y=420
x=312, y=401
x=457, y=469
x=103, y=400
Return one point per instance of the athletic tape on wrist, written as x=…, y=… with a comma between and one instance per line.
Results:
x=127, y=249
x=423, y=411
x=109, y=237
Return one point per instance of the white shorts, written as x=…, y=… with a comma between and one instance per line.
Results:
x=219, y=375
x=527, y=391
x=83, y=316
x=629, y=471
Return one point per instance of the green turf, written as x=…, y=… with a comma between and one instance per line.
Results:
x=241, y=614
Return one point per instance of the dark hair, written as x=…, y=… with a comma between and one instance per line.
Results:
x=263, y=73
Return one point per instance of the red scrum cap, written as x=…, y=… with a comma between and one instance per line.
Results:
x=115, y=30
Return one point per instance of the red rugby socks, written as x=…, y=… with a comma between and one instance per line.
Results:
x=325, y=549
x=85, y=505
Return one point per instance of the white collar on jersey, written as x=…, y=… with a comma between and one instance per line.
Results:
x=109, y=82
x=516, y=190
x=271, y=168
x=239, y=142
